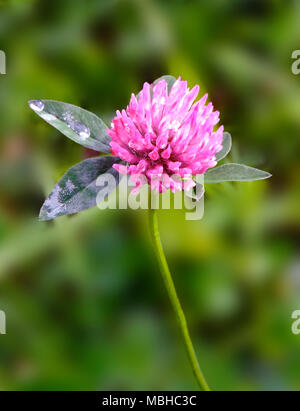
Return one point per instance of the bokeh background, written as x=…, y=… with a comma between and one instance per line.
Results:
x=85, y=305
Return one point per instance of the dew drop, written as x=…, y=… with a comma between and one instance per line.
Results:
x=79, y=128
x=68, y=118
x=36, y=105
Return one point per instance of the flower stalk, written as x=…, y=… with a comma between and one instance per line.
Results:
x=167, y=278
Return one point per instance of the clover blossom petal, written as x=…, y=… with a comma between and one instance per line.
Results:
x=165, y=138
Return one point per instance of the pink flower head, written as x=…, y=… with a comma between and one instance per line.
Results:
x=165, y=138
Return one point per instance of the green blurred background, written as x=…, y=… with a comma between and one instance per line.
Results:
x=85, y=305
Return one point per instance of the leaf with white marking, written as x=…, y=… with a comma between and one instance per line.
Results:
x=234, y=172
x=74, y=122
x=169, y=79
x=226, y=143
x=78, y=189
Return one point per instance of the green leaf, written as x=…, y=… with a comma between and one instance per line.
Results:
x=234, y=172
x=77, y=190
x=169, y=79
x=74, y=122
x=226, y=146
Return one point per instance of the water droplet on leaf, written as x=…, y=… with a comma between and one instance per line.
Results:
x=79, y=128
x=82, y=130
x=36, y=105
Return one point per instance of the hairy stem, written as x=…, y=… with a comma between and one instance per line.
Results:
x=167, y=277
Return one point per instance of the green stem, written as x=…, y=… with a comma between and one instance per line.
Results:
x=167, y=277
